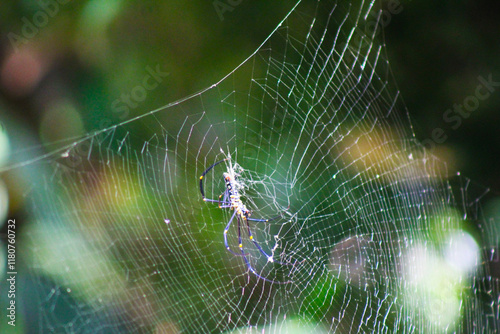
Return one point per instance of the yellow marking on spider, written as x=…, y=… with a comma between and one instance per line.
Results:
x=251, y=237
x=240, y=245
x=201, y=177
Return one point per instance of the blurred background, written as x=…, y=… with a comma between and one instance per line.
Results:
x=438, y=50
x=68, y=68
x=82, y=56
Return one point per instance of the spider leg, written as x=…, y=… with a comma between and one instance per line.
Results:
x=239, y=236
x=201, y=180
x=224, y=203
x=259, y=220
x=263, y=220
x=249, y=266
x=240, y=245
x=267, y=220
x=268, y=257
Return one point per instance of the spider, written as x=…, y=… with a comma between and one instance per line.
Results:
x=230, y=198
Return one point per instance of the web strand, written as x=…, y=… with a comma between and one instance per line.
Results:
x=129, y=238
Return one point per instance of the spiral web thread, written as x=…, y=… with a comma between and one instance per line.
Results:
x=121, y=240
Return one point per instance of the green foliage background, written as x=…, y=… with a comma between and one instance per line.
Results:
x=91, y=52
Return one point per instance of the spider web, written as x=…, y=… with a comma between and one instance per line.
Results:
x=373, y=235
